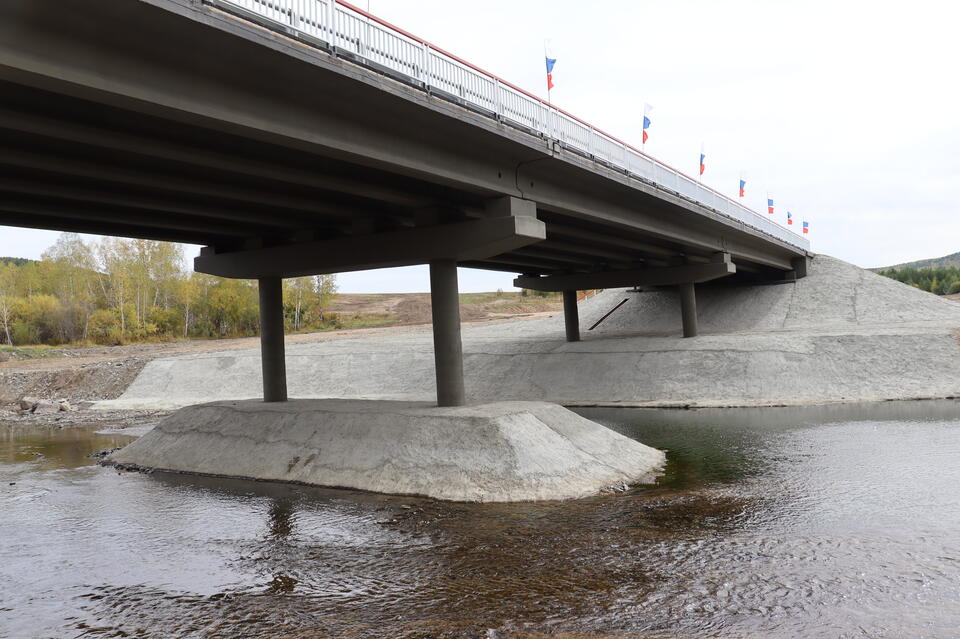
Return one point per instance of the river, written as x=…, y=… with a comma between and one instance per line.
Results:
x=838, y=521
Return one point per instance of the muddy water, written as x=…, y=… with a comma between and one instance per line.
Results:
x=839, y=522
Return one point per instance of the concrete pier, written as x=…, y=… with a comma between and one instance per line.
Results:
x=502, y=451
x=688, y=309
x=571, y=317
x=271, y=340
x=447, y=347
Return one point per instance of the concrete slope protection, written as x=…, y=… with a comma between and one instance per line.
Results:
x=840, y=334
x=506, y=451
x=835, y=294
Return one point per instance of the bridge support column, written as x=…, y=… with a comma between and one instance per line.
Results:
x=447, y=347
x=571, y=316
x=271, y=340
x=688, y=309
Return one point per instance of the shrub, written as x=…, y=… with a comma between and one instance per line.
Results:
x=104, y=327
x=22, y=332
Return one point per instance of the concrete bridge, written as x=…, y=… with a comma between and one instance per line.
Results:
x=295, y=137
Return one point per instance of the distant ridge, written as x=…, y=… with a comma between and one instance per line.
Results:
x=16, y=261
x=947, y=261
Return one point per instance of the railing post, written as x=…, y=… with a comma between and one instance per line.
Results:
x=424, y=60
x=293, y=18
x=332, y=23
x=365, y=40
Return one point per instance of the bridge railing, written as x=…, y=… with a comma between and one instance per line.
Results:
x=346, y=29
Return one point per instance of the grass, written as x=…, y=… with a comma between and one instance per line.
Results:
x=506, y=297
x=367, y=320
x=358, y=320
x=20, y=353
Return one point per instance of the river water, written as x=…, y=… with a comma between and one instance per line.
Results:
x=836, y=521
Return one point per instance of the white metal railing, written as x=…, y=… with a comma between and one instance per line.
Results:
x=346, y=28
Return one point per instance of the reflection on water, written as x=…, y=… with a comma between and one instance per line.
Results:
x=828, y=522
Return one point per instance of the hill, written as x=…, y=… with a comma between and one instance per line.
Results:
x=947, y=261
x=16, y=261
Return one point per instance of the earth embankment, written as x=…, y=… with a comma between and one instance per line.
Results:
x=841, y=334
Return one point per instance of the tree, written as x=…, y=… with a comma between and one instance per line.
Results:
x=188, y=294
x=309, y=297
x=71, y=274
x=116, y=261
x=119, y=289
x=8, y=274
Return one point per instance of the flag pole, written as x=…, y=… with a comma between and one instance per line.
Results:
x=546, y=57
x=700, y=168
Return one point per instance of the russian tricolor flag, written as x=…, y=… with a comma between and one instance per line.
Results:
x=743, y=185
x=646, y=121
x=703, y=157
x=806, y=227
x=550, y=63
x=770, y=205
x=789, y=217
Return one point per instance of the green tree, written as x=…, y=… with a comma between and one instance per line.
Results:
x=8, y=276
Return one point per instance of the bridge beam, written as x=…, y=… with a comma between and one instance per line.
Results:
x=272, y=357
x=459, y=241
x=571, y=315
x=664, y=276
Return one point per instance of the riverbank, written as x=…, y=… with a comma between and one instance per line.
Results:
x=842, y=334
x=86, y=374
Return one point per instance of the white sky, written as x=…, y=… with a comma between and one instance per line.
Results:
x=845, y=112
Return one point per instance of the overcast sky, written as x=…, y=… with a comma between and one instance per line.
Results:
x=845, y=112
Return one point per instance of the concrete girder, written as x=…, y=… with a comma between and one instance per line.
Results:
x=665, y=276
x=156, y=147
x=513, y=264
x=580, y=249
x=665, y=217
x=622, y=241
x=562, y=258
x=67, y=225
x=158, y=205
x=460, y=241
x=156, y=219
x=300, y=207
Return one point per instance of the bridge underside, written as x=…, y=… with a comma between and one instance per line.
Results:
x=79, y=165
x=173, y=120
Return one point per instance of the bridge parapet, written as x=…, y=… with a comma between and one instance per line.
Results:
x=350, y=32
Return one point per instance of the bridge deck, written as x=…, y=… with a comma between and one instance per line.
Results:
x=175, y=120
